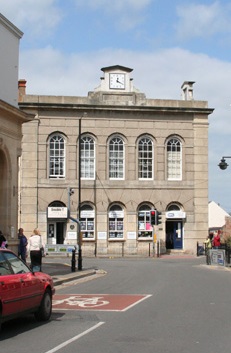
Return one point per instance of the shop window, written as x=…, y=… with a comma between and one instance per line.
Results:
x=144, y=223
x=116, y=222
x=87, y=222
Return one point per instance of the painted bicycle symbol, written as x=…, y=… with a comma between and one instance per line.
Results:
x=83, y=302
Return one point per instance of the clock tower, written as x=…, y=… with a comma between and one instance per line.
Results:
x=116, y=87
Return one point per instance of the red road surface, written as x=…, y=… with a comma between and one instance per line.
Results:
x=102, y=302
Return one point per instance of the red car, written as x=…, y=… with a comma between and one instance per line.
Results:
x=22, y=291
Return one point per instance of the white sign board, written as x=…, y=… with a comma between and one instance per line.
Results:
x=57, y=212
x=71, y=236
x=102, y=235
x=131, y=235
x=175, y=214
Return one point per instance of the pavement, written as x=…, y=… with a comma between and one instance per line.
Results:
x=62, y=272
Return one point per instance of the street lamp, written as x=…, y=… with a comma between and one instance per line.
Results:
x=223, y=164
x=79, y=199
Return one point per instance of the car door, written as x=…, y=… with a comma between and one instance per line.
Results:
x=31, y=286
x=10, y=289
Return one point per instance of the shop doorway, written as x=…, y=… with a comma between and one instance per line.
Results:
x=174, y=234
x=56, y=231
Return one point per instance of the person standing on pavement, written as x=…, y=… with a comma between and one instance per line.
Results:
x=34, y=247
x=2, y=240
x=217, y=240
x=22, y=246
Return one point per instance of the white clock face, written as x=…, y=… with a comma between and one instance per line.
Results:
x=117, y=81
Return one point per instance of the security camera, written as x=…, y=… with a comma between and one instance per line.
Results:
x=71, y=191
x=223, y=164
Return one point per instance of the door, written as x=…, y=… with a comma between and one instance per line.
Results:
x=178, y=235
x=56, y=232
x=174, y=234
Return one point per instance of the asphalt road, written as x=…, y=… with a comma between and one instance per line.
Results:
x=187, y=310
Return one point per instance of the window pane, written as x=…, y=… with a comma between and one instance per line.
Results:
x=116, y=158
x=57, y=157
x=174, y=160
x=145, y=158
x=87, y=157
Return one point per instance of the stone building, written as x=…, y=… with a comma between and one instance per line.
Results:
x=11, y=120
x=134, y=155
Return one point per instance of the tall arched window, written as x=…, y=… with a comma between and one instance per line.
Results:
x=174, y=159
x=116, y=222
x=116, y=158
x=57, y=156
x=87, y=157
x=145, y=158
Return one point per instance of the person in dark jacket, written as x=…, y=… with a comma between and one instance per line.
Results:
x=22, y=245
x=2, y=240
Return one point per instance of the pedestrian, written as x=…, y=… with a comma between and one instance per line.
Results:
x=208, y=246
x=34, y=247
x=208, y=243
x=2, y=240
x=22, y=246
x=217, y=240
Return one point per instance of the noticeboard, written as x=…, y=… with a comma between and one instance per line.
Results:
x=217, y=257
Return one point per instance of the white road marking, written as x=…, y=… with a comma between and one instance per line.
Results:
x=139, y=301
x=75, y=338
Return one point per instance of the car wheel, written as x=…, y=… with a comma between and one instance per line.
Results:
x=44, y=311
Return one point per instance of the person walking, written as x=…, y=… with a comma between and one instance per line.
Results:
x=22, y=246
x=34, y=247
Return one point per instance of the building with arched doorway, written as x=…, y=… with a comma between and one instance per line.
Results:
x=121, y=155
x=11, y=120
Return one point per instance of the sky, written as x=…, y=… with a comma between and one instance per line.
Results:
x=166, y=42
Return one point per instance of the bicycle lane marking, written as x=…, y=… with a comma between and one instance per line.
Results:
x=75, y=338
x=99, y=302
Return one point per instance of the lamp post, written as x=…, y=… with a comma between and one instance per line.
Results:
x=79, y=197
x=223, y=164
x=79, y=201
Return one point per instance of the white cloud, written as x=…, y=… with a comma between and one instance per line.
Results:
x=35, y=17
x=115, y=6
x=125, y=14
x=203, y=20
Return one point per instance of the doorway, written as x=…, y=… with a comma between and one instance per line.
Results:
x=56, y=231
x=174, y=234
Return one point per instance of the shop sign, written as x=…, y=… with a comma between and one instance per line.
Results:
x=57, y=212
x=116, y=214
x=175, y=214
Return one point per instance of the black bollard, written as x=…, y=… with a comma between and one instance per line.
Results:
x=73, y=261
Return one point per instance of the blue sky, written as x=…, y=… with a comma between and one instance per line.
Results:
x=166, y=42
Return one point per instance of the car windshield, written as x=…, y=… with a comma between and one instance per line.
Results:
x=4, y=266
x=17, y=265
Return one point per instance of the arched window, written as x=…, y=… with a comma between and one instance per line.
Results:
x=116, y=158
x=145, y=158
x=144, y=223
x=87, y=157
x=87, y=222
x=173, y=207
x=116, y=222
x=56, y=157
x=174, y=159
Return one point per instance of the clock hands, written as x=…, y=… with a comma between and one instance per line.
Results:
x=119, y=81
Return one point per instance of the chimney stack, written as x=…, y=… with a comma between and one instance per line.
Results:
x=21, y=89
x=187, y=88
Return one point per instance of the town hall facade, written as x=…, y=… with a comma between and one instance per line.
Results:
x=110, y=157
